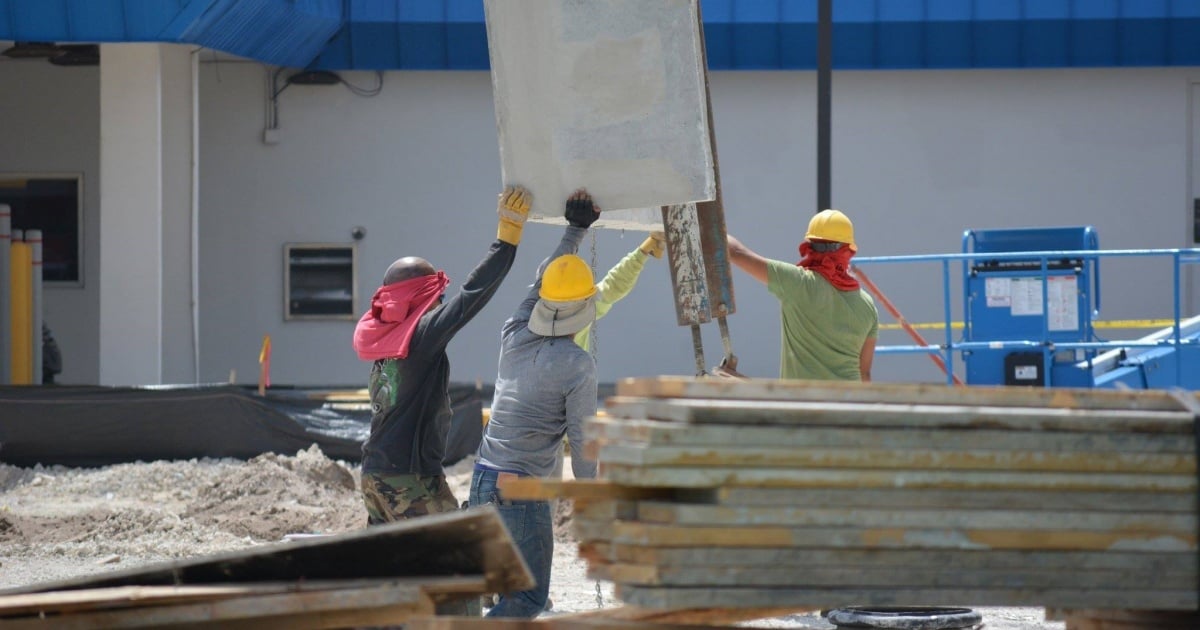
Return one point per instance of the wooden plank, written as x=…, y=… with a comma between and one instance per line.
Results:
x=717, y=515
x=928, y=416
x=467, y=542
x=1127, y=619
x=618, y=618
x=916, y=576
x=889, y=538
x=375, y=605
x=899, y=393
x=885, y=458
x=125, y=596
x=682, y=598
x=904, y=498
x=635, y=431
x=535, y=489
x=713, y=477
x=1180, y=563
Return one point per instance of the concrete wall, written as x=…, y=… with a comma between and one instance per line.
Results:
x=50, y=122
x=918, y=158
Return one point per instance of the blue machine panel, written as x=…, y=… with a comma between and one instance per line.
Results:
x=1015, y=300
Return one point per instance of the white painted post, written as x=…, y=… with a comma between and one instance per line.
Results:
x=5, y=296
x=34, y=238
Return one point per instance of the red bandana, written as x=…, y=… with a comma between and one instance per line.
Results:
x=385, y=331
x=833, y=266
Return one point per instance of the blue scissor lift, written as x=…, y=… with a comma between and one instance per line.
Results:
x=1030, y=296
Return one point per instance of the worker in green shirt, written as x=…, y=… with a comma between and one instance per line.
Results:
x=829, y=323
x=620, y=280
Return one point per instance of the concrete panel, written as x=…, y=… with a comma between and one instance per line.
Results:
x=605, y=94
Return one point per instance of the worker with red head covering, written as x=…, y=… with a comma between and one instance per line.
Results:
x=405, y=334
x=829, y=323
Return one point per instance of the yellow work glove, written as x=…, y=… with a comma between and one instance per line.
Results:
x=513, y=209
x=654, y=245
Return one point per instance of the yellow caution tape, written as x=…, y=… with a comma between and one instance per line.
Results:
x=1112, y=323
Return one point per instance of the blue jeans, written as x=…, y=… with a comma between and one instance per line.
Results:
x=532, y=529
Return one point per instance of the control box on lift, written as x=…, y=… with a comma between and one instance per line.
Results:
x=1049, y=299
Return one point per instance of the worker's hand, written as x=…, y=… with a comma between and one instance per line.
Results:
x=654, y=245
x=581, y=212
x=513, y=209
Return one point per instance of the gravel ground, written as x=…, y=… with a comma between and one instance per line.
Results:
x=57, y=523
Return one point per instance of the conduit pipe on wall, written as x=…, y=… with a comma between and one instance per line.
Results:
x=33, y=238
x=195, y=215
x=5, y=296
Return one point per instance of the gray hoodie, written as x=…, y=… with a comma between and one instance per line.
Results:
x=545, y=388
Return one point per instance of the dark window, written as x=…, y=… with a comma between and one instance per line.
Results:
x=320, y=281
x=52, y=204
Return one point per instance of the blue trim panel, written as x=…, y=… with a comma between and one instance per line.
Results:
x=741, y=34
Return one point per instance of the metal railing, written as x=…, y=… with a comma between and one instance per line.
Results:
x=950, y=346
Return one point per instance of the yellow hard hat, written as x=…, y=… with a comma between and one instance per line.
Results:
x=832, y=225
x=567, y=279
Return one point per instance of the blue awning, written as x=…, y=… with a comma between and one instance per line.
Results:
x=740, y=34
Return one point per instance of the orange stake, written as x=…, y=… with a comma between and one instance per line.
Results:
x=891, y=308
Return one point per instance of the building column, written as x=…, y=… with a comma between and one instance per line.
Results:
x=131, y=214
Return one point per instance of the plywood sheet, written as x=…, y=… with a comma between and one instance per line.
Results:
x=605, y=94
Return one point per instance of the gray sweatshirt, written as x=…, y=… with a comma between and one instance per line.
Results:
x=545, y=388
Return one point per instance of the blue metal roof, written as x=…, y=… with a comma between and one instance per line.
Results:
x=740, y=34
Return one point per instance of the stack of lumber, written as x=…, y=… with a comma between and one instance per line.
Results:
x=722, y=493
x=382, y=575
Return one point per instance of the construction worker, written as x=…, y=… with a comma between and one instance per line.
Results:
x=545, y=388
x=405, y=334
x=620, y=280
x=829, y=323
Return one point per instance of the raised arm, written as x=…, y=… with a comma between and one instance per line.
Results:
x=580, y=214
x=485, y=279
x=747, y=260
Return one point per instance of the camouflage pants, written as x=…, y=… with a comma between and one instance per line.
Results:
x=391, y=498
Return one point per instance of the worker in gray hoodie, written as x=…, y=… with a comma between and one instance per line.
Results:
x=545, y=388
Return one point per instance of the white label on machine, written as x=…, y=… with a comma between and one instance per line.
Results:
x=1026, y=296
x=1026, y=373
x=1064, y=303
x=999, y=292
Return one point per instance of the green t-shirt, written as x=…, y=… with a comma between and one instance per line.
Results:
x=823, y=328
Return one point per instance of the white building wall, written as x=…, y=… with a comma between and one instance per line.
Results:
x=918, y=158
x=50, y=123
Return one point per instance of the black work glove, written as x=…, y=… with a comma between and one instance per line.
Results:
x=581, y=212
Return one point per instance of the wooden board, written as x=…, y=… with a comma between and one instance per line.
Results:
x=633, y=533
x=713, y=477
x=631, y=431
x=916, y=576
x=372, y=605
x=899, y=393
x=1179, y=563
x=468, y=542
x=752, y=517
x=840, y=414
x=620, y=618
x=682, y=598
x=74, y=601
x=884, y=458
x=907, y=498
x=535, y=489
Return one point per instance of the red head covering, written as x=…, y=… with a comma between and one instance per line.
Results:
x=833, y=266
x=385, y=331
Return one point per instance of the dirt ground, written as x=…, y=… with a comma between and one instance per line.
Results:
x=59, y=522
